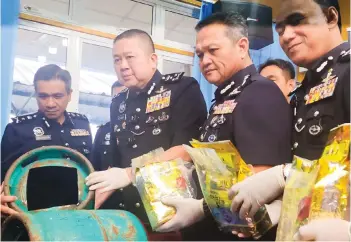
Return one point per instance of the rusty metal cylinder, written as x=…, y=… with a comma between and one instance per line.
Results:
x=73, y=225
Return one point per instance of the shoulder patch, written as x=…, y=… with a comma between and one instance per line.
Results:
x=24, y=118
x=344, y=56
x=77, y=115
x=172, y=78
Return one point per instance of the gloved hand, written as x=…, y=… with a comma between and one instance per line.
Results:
x=188, y=212
x=111, y=179
x=253, y=192
x=273, y=210
x=4, y=200
x=332, y=229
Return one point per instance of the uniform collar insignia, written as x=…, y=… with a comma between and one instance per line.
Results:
x=238, y=79
x=326, y=61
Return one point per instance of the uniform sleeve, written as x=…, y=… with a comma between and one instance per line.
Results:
x=10, y=144
x=95, y=154
x=346, y=98
x=188, y=115
x=263, y=125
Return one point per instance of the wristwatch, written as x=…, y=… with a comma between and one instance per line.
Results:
x=286, y=170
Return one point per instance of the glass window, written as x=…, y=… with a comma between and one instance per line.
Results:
x=180, y=28
x=96, y=78
x=59, y=7
x=121, y=14
x=172, y=67
x=33, y=50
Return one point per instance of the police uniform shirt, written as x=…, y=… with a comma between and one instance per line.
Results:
x=167, y=112
x=252, y=113
x=31, y=131
x=101, y=146
x=322, y=102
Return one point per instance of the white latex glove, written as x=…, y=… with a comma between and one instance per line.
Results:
x=188, y=212
x=253, y=192
x=111, y=179
x=332, y=229
x=273, y=210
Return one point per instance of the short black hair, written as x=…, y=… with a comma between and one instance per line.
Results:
x=130, y=33
x=116, y=84
x=53, y=72
x=282, y=64
x=232, y=20
x=325, y=4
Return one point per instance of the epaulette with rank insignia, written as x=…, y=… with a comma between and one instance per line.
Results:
x=77, y=115
x=172, y=78
x=344, y=56
x=120, y=93
x=24, y=118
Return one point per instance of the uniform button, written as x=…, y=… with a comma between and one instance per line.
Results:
x=121, y=189
x=296, y=144
x=135, y=146
x=84, y=143
x=105, y=152
x=306, y=97
x=316, y=113
x=137, y=205
x=62, y=131
x=138, y=110
x=299, y=120
x=121, y=205
x=66, y=144
x=137, y=127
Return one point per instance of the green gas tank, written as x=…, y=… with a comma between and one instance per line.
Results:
x=55, y=204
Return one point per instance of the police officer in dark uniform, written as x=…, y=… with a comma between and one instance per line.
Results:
x=51, y=125
x=101, y=146
x=249, y=110
x=309, y=33
x=155, y=111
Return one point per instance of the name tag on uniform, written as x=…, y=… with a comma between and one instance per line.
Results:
x=79, y=132
x=322, y=91
x=43, y=137
x=226, y=107
x=158, y=102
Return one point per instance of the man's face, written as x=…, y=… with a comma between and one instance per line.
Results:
x=219, y=55
x=117, y=90
x=52, y=98
x=281, y=78
x=302, y=26
x=133, y=61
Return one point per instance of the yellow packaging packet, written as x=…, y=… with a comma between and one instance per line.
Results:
x=317, y=189
x=297, y=197
x=219, y=166
x=157, y=180
x=331, y=191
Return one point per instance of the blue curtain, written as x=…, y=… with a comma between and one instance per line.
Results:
x=9, y=22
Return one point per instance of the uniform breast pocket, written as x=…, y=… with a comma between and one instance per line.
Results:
x=319, y=121
x=158, y=122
